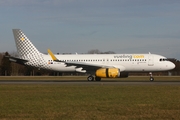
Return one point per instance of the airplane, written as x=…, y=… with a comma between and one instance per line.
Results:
x=96, y=65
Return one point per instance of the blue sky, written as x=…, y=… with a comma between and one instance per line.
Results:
x=69, y=26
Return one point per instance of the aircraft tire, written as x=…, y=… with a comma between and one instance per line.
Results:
x=97, y=78
x=151, y=79
x=90, y=78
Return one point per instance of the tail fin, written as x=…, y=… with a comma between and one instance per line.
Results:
x=25, y=48
x=27, y=51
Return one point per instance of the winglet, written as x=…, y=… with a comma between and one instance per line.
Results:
x=52, y=55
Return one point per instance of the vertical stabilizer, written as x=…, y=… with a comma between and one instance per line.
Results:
x=28, y=51
x=24, y=46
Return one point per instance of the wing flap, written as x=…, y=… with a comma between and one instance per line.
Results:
x=85, y=66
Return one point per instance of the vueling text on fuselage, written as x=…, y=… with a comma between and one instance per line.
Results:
x=129, y=56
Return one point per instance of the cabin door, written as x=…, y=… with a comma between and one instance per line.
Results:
x=150, y=60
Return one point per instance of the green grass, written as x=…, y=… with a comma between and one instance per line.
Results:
x=91, y=102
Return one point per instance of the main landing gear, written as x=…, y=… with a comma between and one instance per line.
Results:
x=151, y=77
x=91, y=78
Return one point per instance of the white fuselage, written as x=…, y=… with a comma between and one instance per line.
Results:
x=125, y=62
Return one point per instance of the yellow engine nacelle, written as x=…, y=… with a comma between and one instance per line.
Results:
x=108, y=73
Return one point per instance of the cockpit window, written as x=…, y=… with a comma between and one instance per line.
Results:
x=163, y=59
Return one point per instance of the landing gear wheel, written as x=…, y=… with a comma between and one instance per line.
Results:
x=90, y=78
x=97, y=78
x=151, y=79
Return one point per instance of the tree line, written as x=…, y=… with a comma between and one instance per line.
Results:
x=8, y=68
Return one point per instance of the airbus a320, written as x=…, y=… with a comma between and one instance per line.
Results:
x=96, y=65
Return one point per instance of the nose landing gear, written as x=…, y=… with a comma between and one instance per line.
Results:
x=151, y=77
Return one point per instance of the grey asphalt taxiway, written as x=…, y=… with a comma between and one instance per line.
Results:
x=84, y=82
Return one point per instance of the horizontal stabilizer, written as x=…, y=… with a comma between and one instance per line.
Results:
x=17, y=60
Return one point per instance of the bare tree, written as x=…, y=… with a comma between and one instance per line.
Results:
x=14, y=54
x=96, y=51
x=1, y=56
x=5, y=65
x=108, y=52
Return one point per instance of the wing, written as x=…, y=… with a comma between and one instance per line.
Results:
x=93, y=67
x=85, y=66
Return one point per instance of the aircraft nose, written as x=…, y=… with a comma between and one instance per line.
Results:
x=172, y=65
